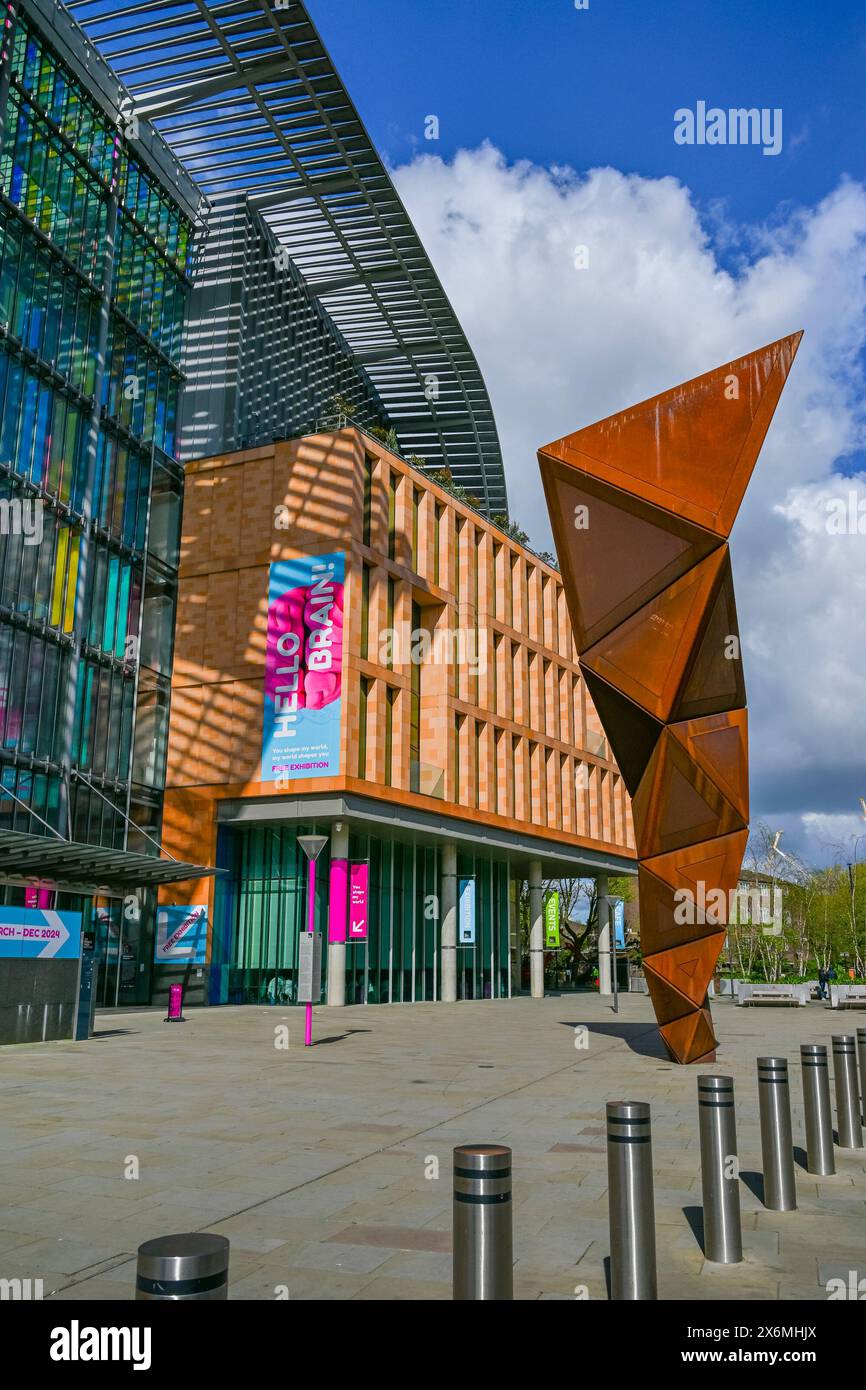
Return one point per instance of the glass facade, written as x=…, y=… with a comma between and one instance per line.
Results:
x=262, y=908
x=93, y=284
x=93, y=257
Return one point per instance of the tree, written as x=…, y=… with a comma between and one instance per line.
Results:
x=388, y=437
x=578, y=938
x=512, y=530
x=339, y=405
x=442, y=478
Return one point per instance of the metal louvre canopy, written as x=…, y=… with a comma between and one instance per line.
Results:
x=248, y=100
x=87, y=869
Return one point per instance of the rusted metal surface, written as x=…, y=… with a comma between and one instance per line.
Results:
x=641, y=506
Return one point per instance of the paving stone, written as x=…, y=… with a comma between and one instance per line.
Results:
x=313, y=1161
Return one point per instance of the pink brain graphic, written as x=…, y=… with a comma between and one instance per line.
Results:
x=323, y=619
x=308, y=664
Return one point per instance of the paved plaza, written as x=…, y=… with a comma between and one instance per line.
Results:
x=318, y=1164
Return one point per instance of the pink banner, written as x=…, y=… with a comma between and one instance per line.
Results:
x=38, y=897
x=175, y=1001
x=337, y=897
x=359, y=875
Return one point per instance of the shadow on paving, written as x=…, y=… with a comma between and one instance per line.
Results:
x=755, y=1183
x=339, y=1037
x=642, y=1038
x=695, y=1217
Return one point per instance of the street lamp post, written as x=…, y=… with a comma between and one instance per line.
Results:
x=852, y=883
x=312, y=845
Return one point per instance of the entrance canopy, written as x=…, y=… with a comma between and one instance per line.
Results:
x=64, y=865
x=558, y=858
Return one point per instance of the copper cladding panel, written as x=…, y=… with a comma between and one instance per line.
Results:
x=678, y=802
x=690, y=450
x=648, y=655
x=641, y=506
x=616, y=551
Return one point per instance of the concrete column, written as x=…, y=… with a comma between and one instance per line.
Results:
x=536, y=931
x=338, y=888
x=448, y=941
x=605, y=974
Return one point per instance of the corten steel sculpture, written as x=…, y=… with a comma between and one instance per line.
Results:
x=642, y=505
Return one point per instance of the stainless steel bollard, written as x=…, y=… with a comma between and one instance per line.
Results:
x=819, y=1118
x=777, y=1147
x=861, y=1058
x=631, y=1209
x=183, y=1269
x=720, y=1178
x=848, y=1125
x=483, y=1260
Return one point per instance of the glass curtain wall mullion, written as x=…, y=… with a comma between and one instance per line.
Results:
x=60, y=161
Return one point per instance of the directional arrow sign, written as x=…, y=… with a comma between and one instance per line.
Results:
x=359, y=881
x=30, y=932
x=60, y=936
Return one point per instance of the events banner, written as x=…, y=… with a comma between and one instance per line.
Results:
x=303, y=669
x=552, y=940
x=619, y=923
x=359, y=892
x=466, y=915
x=181, y=934
x=338, y=897
x=28, y=932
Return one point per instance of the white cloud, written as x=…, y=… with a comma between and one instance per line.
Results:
x=562, y=347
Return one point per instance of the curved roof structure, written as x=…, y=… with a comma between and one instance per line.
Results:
x=247, y=98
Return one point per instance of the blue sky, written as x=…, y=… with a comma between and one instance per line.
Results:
x=697, y=255
x=549, y=83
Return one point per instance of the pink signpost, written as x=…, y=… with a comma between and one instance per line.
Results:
x=175, y=1005
x=359, y=879
x=311, y=926
x=312, y=846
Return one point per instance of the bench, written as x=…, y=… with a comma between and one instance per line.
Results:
x=790, y=995
x=848, y=996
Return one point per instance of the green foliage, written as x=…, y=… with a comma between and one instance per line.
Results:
x=339, y=405
x=823, y=922
x=388, y=437
x=442, y=478
x=513, y=531
x=624, y=887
